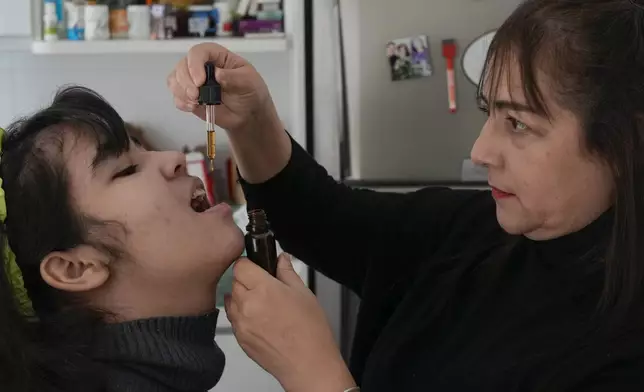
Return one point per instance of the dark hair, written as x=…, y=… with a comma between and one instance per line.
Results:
x=50, y=352
x=593, y=55
x=406, y=47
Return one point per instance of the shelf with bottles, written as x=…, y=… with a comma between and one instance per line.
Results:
x=238, y=45
x=159, y=26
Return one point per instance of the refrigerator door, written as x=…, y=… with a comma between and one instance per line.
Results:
x=404, y=130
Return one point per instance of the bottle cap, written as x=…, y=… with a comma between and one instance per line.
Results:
x=210, y=92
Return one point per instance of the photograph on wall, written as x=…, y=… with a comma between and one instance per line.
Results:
x=409, y=58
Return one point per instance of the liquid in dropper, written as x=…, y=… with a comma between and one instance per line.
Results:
x=210, y=95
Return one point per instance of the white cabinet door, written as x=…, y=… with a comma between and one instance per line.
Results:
x=15, y=18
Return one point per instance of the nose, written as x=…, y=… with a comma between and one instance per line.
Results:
x=173, y=164
x=486, y=150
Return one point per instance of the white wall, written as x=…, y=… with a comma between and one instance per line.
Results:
x=134, y=84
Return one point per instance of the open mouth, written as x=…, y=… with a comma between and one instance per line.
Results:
x=199, y=201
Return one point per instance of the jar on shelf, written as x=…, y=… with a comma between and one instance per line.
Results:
x=138, y=16
x=224, y=18
x=159, y=15
x=177, y=22
x=97, y=22
x=201, y=21
x=119, y=27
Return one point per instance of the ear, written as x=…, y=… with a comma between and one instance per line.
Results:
x=80, y=269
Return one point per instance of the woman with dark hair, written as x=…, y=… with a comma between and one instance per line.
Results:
x=392, y=56
x=537, y=285
x=402, y=67
x=111, y=257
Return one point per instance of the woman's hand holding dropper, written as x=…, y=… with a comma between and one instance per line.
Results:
x=258, y=140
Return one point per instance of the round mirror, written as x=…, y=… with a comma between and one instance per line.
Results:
x=474, y=57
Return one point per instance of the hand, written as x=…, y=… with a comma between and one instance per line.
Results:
x=259, y=143
x=246, y=101
x=280, y=325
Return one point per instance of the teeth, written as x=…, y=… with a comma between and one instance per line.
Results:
x=199, y=193
x=199, y=201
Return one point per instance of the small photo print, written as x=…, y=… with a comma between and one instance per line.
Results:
x=409, y=58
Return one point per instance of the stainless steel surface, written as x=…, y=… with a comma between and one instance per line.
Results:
x=403, y=129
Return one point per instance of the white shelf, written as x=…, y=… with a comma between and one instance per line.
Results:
x=235, y=44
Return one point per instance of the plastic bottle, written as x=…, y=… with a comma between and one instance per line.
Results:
x=224, y=19
x=75, y=20
x=97, y=22
x=139, y=21
x=50, y=21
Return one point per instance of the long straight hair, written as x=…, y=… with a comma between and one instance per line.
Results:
x=592, y=53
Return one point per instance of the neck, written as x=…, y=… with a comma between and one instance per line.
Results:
x=149, y=300
x=573, y=224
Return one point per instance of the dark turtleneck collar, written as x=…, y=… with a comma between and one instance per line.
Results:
x=589, y=241
x=175, y=354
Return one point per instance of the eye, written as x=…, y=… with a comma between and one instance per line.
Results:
x=517, y=125
x=128, y=171
x=484, y=109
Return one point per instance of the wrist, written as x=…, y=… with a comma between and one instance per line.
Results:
x=261, y=146
x=333, y=377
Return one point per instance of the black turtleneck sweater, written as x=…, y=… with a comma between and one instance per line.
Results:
x=450, y=302
x=169, y=354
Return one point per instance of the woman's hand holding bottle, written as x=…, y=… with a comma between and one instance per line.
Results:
x=280, y=325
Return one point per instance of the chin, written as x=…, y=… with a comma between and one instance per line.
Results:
x=510, y=223
x=230, y=241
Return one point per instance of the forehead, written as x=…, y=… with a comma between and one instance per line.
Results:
x=78, y=153
x=505, y=81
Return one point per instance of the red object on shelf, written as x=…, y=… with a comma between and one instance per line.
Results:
x=449, y=52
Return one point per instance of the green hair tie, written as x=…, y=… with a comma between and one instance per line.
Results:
x=11, y=267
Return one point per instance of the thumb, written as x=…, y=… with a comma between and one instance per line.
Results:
x=234, y=80
x=286, y=273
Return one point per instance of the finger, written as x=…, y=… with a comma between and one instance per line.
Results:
x=249, y=274
x=184, y=106
x=176, y=89
x=230, y=306
x=286, y=273
x=238, y=290
x=234, y=80
x=199, y=55
x=185, y=81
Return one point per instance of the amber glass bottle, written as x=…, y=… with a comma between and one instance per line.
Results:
x=261, y=247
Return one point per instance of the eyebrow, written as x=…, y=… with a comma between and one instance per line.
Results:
x=501, y=104
x=100, y=159
x=104, y=156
